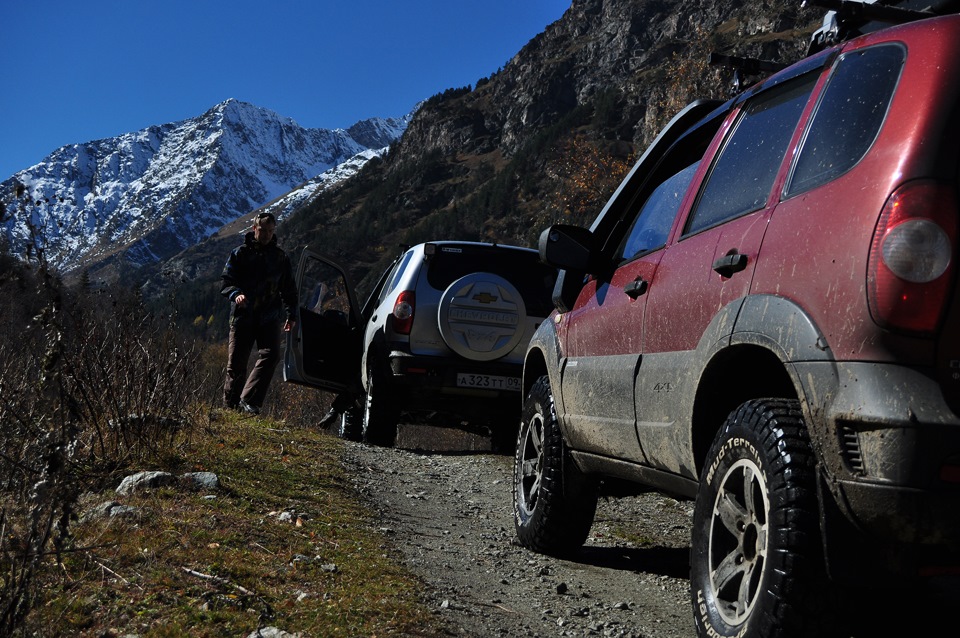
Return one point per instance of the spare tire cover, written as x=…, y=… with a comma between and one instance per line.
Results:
x=482, y=316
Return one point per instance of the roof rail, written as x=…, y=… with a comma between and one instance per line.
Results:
x=849, y=18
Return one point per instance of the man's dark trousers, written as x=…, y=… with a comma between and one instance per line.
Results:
x=243, y=336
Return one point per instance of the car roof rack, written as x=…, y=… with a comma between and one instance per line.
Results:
x=848, y=19
x=743, y=67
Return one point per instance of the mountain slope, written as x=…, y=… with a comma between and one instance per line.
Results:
x=147, y=195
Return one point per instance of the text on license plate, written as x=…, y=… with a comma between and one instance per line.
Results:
x=492, y=382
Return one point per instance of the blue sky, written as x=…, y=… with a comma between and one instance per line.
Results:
x=80, y=70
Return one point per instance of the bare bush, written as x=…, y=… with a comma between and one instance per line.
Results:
x=297, y=405
x=90, y=383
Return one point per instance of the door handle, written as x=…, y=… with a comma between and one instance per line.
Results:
x=731, y=263
x=636, y=288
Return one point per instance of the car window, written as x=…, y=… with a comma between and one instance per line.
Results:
x=653, y=223
x=848, y=117
x=323, y=291
x=394, y=278
x=532, y=278
x=742, y=176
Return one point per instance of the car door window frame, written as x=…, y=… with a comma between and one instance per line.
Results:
x=681, y=161
x=772, y=102
x=812, y=166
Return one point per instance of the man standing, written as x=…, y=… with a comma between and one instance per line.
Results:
x=258, y=280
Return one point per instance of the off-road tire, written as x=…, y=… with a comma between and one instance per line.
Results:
x=351, y=424
x=756, y=564
x=553, y=501
x=380, y=414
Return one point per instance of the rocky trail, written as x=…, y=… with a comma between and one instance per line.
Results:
x=448, y=511
x=445, y=503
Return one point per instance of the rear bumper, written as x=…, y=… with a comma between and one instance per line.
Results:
x=430, y=384
x=890, y=447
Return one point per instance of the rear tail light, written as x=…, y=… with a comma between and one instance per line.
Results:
x=912, y=258
x=403, y=309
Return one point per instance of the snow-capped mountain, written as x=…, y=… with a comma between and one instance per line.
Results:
x=149, y=194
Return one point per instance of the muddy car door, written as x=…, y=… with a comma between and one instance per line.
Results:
x=325, y=348
x=708, y=271
x=604, y=329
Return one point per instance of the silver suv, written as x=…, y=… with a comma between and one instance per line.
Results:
x=440, y=340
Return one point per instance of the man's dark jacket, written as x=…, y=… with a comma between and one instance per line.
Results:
x=263, y=273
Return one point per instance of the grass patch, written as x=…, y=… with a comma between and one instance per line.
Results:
x=285, y=542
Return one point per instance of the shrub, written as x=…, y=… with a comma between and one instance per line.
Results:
x=90, y=383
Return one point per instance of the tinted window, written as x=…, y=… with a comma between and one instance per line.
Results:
x=531, y=277
x=849, y=115
x=653, y=224
x=394, y=277
x=742, y=176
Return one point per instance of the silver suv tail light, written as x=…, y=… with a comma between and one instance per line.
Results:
x=403, y=311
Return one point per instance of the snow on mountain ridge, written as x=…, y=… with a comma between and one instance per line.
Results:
x=151, y=193
x=297, y=197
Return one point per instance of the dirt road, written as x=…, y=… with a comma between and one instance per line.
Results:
x=448, y=510
x=449, y=513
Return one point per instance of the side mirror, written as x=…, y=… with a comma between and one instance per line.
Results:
x=567, y=247
x=570, y=250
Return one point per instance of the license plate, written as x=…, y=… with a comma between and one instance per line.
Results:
x=488, y=381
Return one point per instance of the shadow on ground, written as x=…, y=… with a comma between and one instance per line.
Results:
x=443, y=440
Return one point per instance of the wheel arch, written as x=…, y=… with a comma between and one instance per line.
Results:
x=374, y=354
x=735, y=375
x=534, y=367
x=756, y=360
x=543, y=358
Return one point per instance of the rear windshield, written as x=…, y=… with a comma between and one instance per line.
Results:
x=531, y=277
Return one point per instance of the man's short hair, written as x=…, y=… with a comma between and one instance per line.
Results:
x=263, y=218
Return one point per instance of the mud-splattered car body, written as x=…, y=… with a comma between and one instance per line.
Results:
x=797, y=246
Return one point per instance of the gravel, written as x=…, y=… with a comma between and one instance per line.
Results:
x=448, y=511
x=445, y=503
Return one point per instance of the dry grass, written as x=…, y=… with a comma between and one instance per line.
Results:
x=285, y=542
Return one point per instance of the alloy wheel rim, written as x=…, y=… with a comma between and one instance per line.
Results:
x=739, y=530
x=530, y=471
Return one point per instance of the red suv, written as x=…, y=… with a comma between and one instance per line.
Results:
x=764, y=318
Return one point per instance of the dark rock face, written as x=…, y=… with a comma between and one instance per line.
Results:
x=626, y=47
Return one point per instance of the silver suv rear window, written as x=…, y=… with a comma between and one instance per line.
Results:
x=532, y=278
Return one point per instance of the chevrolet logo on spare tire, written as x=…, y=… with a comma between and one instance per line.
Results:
x=485, y=297
x=481, y=317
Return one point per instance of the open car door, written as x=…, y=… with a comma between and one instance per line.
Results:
x=325, y=348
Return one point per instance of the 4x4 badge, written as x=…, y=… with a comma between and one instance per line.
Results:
x=485, y=297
